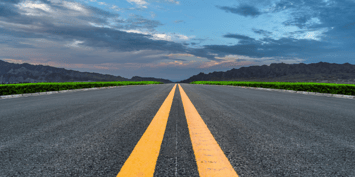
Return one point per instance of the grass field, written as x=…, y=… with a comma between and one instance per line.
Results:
x=345, y=89
x=9, y=89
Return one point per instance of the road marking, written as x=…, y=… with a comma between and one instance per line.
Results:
x=210, y=158
x=144, y=156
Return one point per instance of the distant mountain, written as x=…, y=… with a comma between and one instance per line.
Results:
x=137, y=78
x=281, y=72
x=16, y=73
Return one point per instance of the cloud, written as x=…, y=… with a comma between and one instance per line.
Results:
x=161, y=36
x=11, y=1
x=179, y=55
x=165, y=1
x=268, y=47
x=243, y=10
x=102, y=3
x=84, y=28
x=223, y=64
x=262, y=32
x=76, y=6
x=238, y=36
x=27, y=5
x=152, y=14
x=322, y=30
x=115, y=8
x=76, y=43
x=8, y=10
x=173, y=1
x=327, y=17
x=178, y=21
x=283, y=5
x=138, y=22
x=139, y=3
x=68, y=22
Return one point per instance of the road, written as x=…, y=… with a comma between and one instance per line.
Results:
x=94, y=133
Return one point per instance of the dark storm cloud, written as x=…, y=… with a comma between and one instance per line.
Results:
x=5, y=11
x=239, y=60
x=112, y=39
x=268, y=47
x=330, y=14
x=238, y=36
x=77, y=28
x=179, y=59
x=243, y=40
x=204, y=52
x=244, y=10
x=14, y=43
x=100, y=12
x=172, y=59
x=185, y=43
x=300, y=20
x=8, y=8
x=262, y=32
x=137, y=21
x=17, y=35
x=334, y=18
x=10, y=1
x=284, y=5
x=13, y=15
x=200, y=39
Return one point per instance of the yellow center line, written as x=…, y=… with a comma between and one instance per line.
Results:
x=144, y=156
x=210, y=158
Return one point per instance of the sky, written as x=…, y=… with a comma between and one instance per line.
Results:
x=175, y=39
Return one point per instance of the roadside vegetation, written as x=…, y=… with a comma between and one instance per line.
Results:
x=345, y=89
x=9, y=89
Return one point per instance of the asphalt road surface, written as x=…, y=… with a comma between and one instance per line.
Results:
x=93, y=133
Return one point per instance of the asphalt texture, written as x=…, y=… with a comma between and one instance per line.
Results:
x=266, y=133
x=88, y=133
x=92, y=133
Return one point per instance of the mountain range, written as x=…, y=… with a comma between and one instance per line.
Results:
x=281, y=72
x=27, y=73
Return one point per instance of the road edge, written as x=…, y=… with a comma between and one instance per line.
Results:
x=61, y=91
x=292, y=91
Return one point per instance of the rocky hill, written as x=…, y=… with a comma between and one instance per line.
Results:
x=19, y=73
x=281, y=72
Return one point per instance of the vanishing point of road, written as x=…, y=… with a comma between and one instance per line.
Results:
x=177, y=130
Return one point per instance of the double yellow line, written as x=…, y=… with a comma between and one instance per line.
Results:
x=210, y=158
